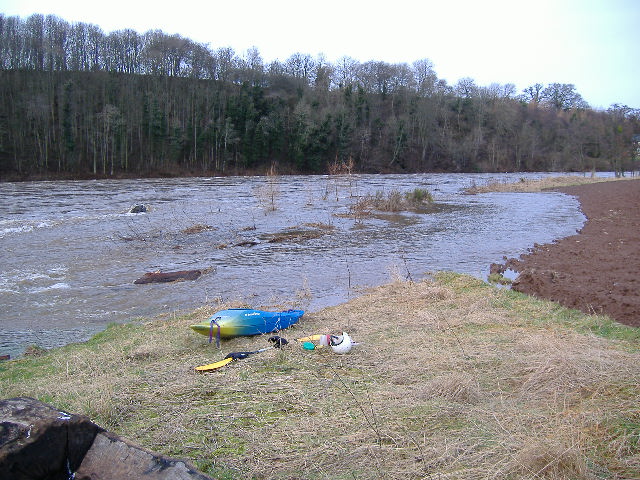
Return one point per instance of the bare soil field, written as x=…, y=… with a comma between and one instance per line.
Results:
x=597, y=270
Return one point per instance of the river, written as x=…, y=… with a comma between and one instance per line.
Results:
x=71, y=251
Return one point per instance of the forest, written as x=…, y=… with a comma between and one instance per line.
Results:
x=76, y=102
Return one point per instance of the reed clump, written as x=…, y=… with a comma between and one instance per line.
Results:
x=392, y=201
x=452, y=378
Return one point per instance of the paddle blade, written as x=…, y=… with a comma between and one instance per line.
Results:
x=214, y=366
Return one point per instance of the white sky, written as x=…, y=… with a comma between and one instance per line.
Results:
x=593, y=44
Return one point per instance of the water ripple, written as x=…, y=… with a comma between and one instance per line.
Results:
x=71, y=252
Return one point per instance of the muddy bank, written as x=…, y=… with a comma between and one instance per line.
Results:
x=595, y=271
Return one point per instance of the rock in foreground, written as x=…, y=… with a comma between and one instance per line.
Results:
x=38, y=441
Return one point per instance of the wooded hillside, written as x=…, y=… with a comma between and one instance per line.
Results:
x=75, y=101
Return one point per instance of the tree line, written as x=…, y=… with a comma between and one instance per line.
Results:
x=75, y=101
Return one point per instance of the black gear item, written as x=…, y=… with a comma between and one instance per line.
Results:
x=277, y=341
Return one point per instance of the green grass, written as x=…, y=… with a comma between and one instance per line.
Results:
x=419, y=196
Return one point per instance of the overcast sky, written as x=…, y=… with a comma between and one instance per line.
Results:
x=593, y=44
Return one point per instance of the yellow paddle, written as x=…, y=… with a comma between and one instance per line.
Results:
x=214, y=366
x=278, y=342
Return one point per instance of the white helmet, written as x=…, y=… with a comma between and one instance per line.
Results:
x=341, y=344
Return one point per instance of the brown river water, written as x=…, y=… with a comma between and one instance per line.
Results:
x=70, y=251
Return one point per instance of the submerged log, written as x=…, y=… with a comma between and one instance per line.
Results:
x=162, y=277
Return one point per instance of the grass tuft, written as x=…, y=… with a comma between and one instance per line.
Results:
x=393, y=201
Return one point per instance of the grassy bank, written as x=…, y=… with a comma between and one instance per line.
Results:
x=453, y=378
x=525, y=185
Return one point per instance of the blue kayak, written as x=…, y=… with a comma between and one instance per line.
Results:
x=235, y=322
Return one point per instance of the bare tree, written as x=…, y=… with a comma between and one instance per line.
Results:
x=533, y=93
x=563, y=96
x=425, y=76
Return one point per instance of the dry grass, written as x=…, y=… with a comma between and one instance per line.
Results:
x=525, y=185
x=268, y=193
x=452, y=379
x=197, y=228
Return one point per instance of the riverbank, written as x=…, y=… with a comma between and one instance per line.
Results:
x=69, y=269
x=452, y=377
x=595, y=271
